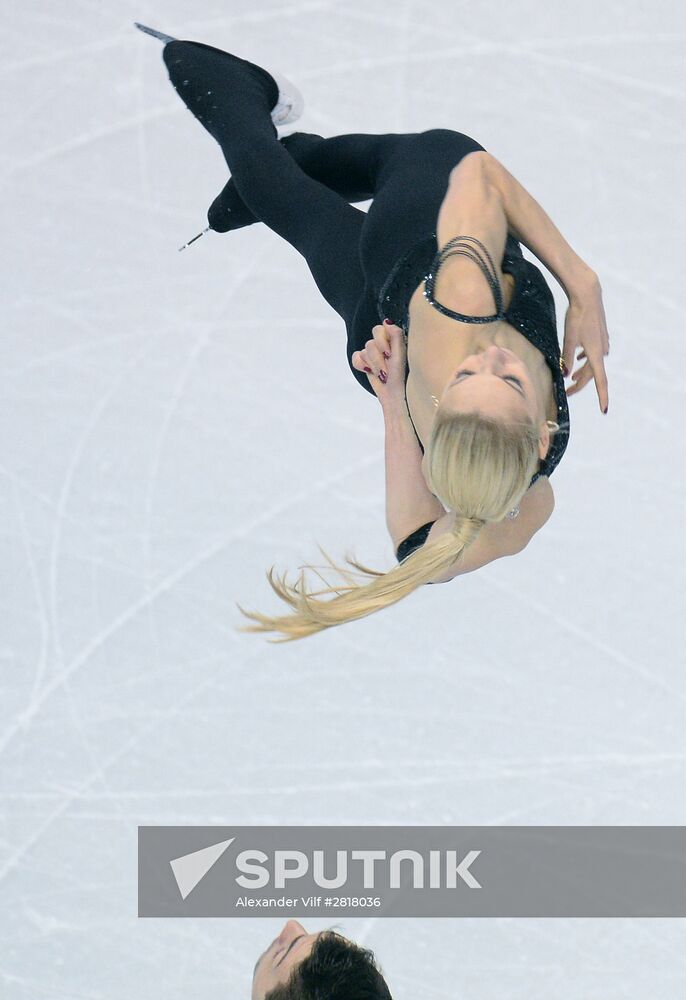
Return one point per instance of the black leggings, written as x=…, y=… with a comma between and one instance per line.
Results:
x=301, y=187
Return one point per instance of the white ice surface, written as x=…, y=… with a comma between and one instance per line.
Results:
x=173, y=424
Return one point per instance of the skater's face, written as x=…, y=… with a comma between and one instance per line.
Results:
x=275, y=965
x=495, y=383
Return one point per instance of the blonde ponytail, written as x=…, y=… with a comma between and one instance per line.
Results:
x=478, y=467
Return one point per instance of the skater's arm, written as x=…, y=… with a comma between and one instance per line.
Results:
x=473, y=208
x=501, y=538
x=409, y=501
x=529, y=224
x=585, y=322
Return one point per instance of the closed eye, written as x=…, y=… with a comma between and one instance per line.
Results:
x=512, y=379
x=293, y=942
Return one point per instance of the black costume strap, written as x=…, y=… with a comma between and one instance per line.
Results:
x=462, y=246
x=413, y=541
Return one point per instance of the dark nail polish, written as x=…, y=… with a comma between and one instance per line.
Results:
x=388, y=322
x=565, y=371
x=367, y=369
x=386, y=355
x=605, y=410
x=383, y=376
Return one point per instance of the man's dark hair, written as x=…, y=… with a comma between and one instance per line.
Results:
x=335, y=969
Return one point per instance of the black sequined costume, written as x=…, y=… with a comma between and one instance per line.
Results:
x=365, y=264
x=531, y=311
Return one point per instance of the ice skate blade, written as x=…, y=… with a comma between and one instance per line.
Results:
x=206, y=230
x=155, y=34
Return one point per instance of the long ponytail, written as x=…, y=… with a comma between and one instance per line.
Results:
x=478, y=467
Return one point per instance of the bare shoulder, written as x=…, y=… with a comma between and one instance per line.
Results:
x=504, y=538
x=535, y=508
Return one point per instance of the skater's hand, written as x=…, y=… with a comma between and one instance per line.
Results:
x=383, y=360
x=586, y=327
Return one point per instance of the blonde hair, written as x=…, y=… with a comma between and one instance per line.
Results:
x=478, y=467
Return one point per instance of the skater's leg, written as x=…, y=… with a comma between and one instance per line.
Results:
x=349, y=165
x=232, y=99
x=406, y=174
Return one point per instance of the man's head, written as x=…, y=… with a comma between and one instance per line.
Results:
x=302, y=966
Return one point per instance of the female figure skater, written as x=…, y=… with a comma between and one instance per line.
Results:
x=447, y=323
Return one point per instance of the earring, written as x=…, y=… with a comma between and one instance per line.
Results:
x=552, y=425
x=513, y=513
x=435, y=401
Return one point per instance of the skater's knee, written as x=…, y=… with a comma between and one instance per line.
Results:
x=448, y=137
